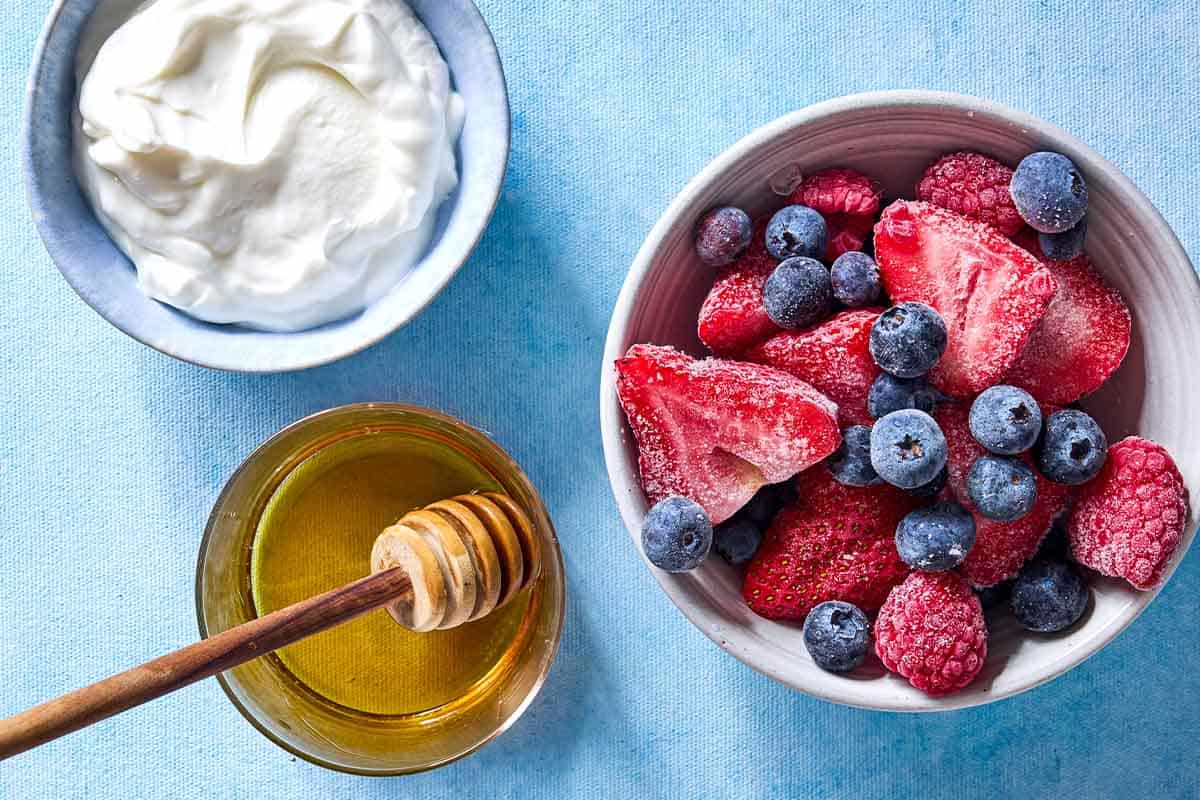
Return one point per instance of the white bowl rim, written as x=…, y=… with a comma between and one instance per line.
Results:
x=631, y=503
x=466, y=248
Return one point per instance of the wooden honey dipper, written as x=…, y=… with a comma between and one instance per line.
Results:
x=452, y=562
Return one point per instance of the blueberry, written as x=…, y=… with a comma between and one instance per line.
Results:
x=737, y=541
x=836, y=635
x=1072, y=448
x=908, y=448
x=797, y=231
x=1006, y=420
x=908, y=339
x=1049, y=192
x=889, y=393
x=767, y=501
x=1002, y=488
x=855, y=278
x=1049, y=596
x=676, y=534
x=937, y=538
x=798, y=293
x=1066, y=245
x=928, y=491
x=722, y=235
x=993, y=597
x=851, y=464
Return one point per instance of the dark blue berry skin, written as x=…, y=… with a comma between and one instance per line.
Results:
x=928, y=491
x=851, y=464
x=767, y=501
x=994, y=597
x=889, y=393
x=722, y=236
x=1049, y=192
x=676, y=534
x=1006, y=420
x=1066, y=245
x=937, y=538
x=1049, y=596
x=908, y=448
x=855, y=278
x=908, y=339
x=1072, y=448
x=837, y=635
x=737, y=541
x=797, y=231
x=1001, y=488
x=798, y=293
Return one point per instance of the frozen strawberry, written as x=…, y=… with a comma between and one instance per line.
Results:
x=834, y=542
x=834, y=357
x=1129, y=521
x=991, y=293
x=732, y=317
x=1001, y=548
x=931, y=630
x=848, y=200
x=716, y=431
x=1080, y=342
x=973, y=185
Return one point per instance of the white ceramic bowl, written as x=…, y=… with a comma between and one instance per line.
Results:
x=104, y=277
x=892, y=136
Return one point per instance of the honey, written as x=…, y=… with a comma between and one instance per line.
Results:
x=315, y=534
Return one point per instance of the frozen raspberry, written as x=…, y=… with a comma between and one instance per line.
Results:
x=848, y=200
x=973, y=185
x=931, y=631
x=1129, y=521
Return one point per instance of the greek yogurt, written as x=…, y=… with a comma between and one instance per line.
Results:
x=273, y=163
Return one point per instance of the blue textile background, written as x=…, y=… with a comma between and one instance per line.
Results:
x=111, y=454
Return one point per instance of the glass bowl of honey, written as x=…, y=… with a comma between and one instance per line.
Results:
x=298, y=518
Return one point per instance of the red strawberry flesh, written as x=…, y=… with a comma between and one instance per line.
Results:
x=716, y=431
x=732, y=317
x=991, y=293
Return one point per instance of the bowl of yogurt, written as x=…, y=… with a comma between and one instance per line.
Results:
x=263, y=186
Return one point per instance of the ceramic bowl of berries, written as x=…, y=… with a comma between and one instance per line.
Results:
x=896, y=401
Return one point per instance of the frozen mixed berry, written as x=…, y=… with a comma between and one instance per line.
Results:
x=1072, y=447
x=889, y=393
x=1002, y=488
x=837, y=636
x=1006, y=420
x=855, y=278
x=1066, y=245
x=973, y=185
x=929, y=491
x=798, y=293
x=851, y=464
x=907, y=448
x=1049, y=192
x=676, y=534
x=1049, y=596
x=737, y=541
x=766, y=503
x=723, y=235
x=908, y=339
x=796, y=231
x=937, y=538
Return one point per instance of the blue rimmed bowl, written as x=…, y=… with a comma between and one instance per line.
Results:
x=101, y=274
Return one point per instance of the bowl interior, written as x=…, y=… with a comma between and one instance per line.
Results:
x=892, y=137
x=105, y=278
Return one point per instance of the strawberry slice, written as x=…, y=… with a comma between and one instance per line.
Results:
x=1001, y=548
x=991, y=293
x=834, y=357
x=834, y=542
x=732, y=317
x=716, y=431
x=1081, y=341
